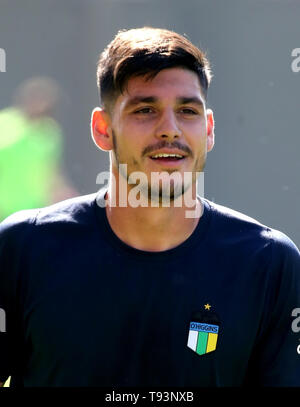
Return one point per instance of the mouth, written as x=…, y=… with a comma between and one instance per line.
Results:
x=167, y=159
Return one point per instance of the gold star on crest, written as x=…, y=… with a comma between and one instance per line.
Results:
x=207, y=306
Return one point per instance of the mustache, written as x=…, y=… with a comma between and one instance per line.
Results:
x=165, y=144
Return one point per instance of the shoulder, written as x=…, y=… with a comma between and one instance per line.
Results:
x=76, y=210
x=233, y=224
x=226, y=214
x=236, y=227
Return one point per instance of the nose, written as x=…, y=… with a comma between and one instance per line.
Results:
x=167, y=127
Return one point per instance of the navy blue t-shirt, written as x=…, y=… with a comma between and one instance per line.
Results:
x=79, y=307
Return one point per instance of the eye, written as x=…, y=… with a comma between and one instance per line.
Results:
x=144, y=110
x=187, y=110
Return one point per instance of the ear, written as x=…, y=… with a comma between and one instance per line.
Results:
x=101, y=130
x=210, y=131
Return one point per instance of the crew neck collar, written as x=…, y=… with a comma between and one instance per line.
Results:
x=195, y=239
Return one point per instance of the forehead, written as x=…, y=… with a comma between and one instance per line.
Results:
x=168, y=83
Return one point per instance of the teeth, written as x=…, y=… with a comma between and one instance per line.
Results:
x=166, y=155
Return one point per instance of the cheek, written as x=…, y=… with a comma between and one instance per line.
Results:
x=138, y=126
x=195, y=131
x=198, y=144
x=128, y=145
x=133, y=138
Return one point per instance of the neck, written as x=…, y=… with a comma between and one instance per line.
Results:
x=152, y=228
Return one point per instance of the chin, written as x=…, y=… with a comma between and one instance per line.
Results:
x=166, y=194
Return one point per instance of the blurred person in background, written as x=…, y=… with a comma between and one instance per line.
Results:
x=31, y=148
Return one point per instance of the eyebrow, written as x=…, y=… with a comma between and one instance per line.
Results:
x=190, y=100
x=140, y=99
x=152, y=99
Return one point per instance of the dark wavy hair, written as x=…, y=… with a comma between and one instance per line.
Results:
x=145, y=52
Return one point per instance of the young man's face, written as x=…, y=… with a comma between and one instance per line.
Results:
x=167, y=115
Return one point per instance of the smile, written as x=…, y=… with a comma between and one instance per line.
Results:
x=167, y=160
x=168, y=156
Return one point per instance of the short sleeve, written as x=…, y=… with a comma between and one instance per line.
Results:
x=275, y=360
x=13, y=232
x=6, y=335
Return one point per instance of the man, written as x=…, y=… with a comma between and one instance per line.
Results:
x=136, y=286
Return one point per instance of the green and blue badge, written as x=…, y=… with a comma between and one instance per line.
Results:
x=203, y=331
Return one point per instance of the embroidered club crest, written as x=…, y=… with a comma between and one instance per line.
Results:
x=203, y=332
